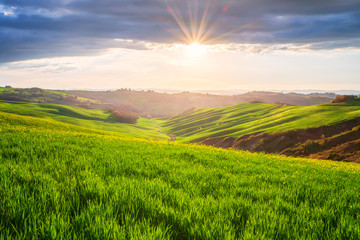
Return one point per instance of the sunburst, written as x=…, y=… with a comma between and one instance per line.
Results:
x=195, y=49
x=197, y=26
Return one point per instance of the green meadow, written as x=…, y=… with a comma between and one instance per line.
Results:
x=89, y=118
x=247, y=118
x=61, y=181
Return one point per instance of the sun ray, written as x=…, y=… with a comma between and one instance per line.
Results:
x=211, y=28
x=203, y=23
x=200, y=23
x=246, y=26
x=179, y=20
x=193, y=17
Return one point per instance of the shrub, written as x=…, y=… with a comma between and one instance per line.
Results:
x=257, y=101
x=343, y=98
x=124, y=116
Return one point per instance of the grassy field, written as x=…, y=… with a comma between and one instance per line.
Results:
x=247, y=118
x=3, y=89
x=34, y=94
x=90, y=118
x=60, y=181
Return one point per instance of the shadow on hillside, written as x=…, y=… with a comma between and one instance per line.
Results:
x=62, y=111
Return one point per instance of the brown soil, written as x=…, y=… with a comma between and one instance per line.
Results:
x=349, y=152
x=340, y=142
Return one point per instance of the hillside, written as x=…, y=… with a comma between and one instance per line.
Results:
x=328, y=131
x=38, y=95
x=63, y=181
x=270, y=128
x=338, y=142
x=90, y=118
x=150, y=103
x=154, y=104
x=248, y=118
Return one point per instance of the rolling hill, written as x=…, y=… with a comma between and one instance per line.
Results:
x=154, y=104
x=273, y=128
x=327, y=131
x=59, y=181
x=247, y=118
x=38, y=95
x=90, y=118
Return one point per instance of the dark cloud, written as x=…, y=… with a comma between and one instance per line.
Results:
x=48, y=28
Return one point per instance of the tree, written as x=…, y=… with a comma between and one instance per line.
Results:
x=343, y=98
x=124, y=116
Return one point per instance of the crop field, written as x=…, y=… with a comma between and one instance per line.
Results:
x=247, y=118
x=60, y=181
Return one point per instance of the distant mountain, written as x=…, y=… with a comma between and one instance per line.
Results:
x=337, y=92
x=230, y=92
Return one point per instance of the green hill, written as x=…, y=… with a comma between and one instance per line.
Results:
x=90, y=118
x=38, y=95
x=61, y=181
x=247, y=118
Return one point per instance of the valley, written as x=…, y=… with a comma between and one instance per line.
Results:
x=71, y=172
x=59, y=180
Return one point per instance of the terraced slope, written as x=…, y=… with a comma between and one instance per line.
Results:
x=335, y=142
x=63, y=181
x=328, y=131
x=248, y=118
x=89, y=118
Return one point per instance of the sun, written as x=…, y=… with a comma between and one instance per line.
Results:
x=196, y=50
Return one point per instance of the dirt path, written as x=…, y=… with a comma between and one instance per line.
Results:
x=171, y=135
x=158, y=128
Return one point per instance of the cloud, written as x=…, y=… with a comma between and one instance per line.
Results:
x=43, y=66
x=52, y=28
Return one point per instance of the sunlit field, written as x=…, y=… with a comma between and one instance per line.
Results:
x=247, y=118
x=95, y=119
x=160, y=120
x=60, y=181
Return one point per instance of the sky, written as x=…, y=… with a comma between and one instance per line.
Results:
x=180, y=44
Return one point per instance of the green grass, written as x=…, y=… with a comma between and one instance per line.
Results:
x=350, y=102
x=59, y=92
x=60, y=181
x=247, y=118
x=46, y=91
x=90, y=118
x=27, y=92
x=2, y=89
